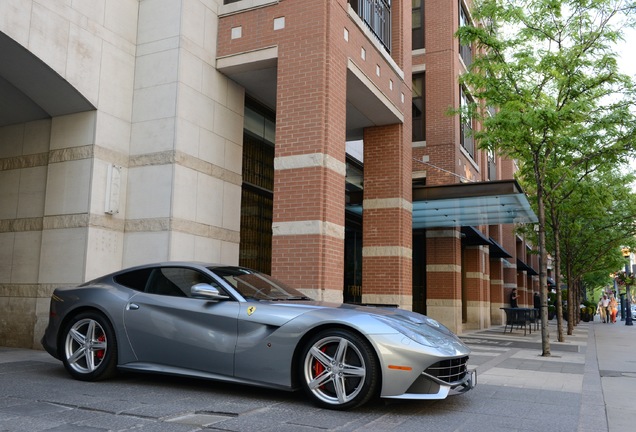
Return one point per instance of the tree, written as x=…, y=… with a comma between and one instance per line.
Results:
x=597, y=218
x=548, y=67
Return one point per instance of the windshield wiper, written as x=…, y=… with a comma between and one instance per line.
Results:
x=296, y=298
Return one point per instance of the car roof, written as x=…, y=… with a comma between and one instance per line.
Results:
x=194, y=264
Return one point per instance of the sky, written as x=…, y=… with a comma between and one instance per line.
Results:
x=627, y=62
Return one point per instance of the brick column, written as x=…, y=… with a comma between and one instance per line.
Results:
x=497, y=300
x=509, y=242
x=510, y=282
x=443, y=277
x=309, y=164
x=387, y=238
x=477, y=288
x=522, y=292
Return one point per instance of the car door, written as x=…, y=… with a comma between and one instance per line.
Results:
x=165, y=326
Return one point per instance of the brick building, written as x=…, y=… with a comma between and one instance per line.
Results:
x=309, y=140
x=469, y=200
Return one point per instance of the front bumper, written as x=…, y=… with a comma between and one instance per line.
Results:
x=469, y=384
x=427, y=387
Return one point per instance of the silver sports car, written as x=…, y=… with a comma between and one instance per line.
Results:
x=238, y=325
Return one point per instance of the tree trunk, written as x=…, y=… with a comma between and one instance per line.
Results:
x=572, y=302
x=557, y=279
x=543, y=270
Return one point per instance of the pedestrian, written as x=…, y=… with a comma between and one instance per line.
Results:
x=513, y=298
x=537, y=301
x=605, y=302
x=600, y=310
x=613, y=307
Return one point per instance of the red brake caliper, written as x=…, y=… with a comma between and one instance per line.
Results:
x=100, y=354
x=318, y=367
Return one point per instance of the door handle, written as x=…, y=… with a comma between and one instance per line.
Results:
x=132, y=306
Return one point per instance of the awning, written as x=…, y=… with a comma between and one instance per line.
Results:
x=497, y=250
x=471, y=236
x=465, y=204
x=521, y=266
x=471, y=204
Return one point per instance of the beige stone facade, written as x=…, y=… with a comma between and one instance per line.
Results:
x=160, y=132
x=133, y=153
x=137, y=131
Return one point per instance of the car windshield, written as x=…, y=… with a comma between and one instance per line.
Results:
x=257, y=286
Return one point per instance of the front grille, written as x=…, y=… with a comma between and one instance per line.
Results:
x=449, y=371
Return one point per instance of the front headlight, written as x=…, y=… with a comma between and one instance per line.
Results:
x=419, y=331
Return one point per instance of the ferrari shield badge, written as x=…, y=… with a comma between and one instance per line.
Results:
x=250, y=310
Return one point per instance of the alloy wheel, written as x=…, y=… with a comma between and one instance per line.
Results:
x=334, y=370
x=86, y=346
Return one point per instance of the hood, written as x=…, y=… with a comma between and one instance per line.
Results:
x=415, y=326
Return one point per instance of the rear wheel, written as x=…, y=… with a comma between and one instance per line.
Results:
x=339, y=369
x=89, y=347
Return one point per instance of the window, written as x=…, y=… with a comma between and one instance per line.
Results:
x=417, y=35
x=257, y=197
x=256, y=285
x=176, y=281
x=419, y=107
x=492, y=165
x=465, y=51
x=466, y=124
x=135, y=279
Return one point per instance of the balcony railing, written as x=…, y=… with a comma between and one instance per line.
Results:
x=376, y=14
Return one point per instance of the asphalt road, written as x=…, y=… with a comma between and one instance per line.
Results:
x=578, y=388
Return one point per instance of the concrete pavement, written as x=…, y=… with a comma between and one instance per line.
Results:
x=616, y=353
x=587, y=384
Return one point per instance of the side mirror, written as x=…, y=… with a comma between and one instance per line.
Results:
x=207, y=291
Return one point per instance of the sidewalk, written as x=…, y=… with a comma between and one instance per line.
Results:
x=598, y=362
x=616, y=353
x=587, y=384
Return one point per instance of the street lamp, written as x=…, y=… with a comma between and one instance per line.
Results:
x=628, y=304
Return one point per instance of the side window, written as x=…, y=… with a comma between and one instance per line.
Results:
x=466, y=124
x=465, y=51
x=136, y=279
x=419, y=108
x=417, y=24
x=176, y=281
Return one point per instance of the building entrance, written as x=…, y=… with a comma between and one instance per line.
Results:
x=353, y=260
x=419, y=271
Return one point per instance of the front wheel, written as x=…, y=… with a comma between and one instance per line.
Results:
x=339, y=369
x=89, y=347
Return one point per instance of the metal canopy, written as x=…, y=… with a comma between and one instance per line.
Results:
x=465, y=204
x=471, y=204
